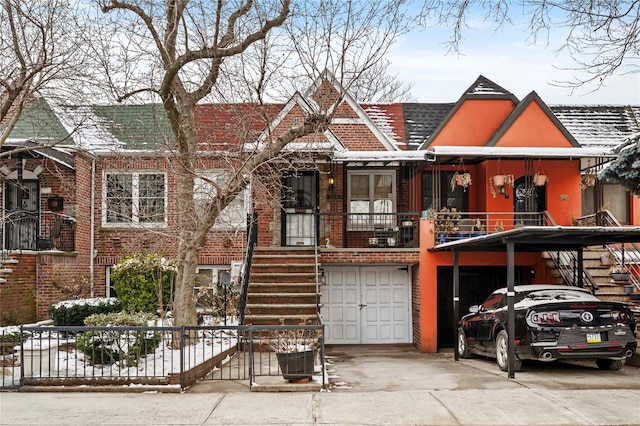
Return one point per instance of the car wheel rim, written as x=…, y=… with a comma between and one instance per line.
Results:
x=502, y=352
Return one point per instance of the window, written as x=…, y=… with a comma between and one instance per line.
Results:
x=437, y=193
x=371, y=199
x=134, y=198
x=234, y=216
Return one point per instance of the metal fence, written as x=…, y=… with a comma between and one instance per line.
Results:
x=179, y=356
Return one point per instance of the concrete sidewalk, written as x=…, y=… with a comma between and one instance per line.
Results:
x=371, y=385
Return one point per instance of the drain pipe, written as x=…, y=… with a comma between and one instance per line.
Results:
x=92, y=230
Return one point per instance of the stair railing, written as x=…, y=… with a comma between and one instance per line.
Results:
x=317, y=266
x=566, y=263
x=252, y=239
x=617, y=251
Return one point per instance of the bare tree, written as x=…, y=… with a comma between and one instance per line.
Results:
x=603, y=36
x=185, y=51
x=38, y=56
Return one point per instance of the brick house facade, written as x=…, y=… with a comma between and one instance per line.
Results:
x=355, y=197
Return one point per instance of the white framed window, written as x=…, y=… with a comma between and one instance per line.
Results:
x=134, y=198
x=234, y=216
x=372, y=199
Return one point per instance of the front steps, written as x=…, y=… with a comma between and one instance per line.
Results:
x=595, y=260
x=282, y=287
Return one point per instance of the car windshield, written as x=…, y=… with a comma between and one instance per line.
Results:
x=559, y=295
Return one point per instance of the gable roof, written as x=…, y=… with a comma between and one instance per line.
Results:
x=38, y=122
x=487, y=89
x=481, y=89
x=517, y=114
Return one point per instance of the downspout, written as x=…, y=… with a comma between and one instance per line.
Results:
x=92, y=231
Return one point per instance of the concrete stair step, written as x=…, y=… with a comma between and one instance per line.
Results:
x=279, y=319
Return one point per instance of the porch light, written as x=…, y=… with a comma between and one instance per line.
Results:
x=331, y=181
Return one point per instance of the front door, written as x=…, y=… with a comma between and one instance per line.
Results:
x=528, y=199
x=21, y=214
x=299, y=201
x=368, y=304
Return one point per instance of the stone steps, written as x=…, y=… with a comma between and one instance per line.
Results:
x=282, y=287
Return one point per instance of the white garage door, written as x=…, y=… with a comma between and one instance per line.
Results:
x=366, y=305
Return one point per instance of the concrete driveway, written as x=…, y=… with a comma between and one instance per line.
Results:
x=371, y=385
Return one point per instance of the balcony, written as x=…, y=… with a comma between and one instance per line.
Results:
x=24, y=230
x=454, y=225
x=369, y=230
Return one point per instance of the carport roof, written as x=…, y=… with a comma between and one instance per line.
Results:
x=545, y=238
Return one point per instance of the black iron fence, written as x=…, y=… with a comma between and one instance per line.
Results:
x=360, y=230
x=178, y=356
x=25, y=230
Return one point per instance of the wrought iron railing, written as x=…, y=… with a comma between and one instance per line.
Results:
x=178, y=356
x=252, y=239
x=623, y=255
x=566, y=263
x=375, y=230
x=25, y=230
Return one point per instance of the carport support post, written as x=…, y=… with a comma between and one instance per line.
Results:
x=511, y=321
x=456, y=303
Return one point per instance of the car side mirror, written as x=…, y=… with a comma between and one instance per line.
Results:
x=474, y=309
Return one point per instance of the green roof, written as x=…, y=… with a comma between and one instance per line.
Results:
x=38, y=123
x=139, y=127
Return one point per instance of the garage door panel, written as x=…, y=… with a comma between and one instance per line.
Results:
x=367, y=305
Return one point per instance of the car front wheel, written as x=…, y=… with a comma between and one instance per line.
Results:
x=502, y=353
x=463, y=348
x=609, y=364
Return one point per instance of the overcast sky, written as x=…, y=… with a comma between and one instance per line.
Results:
x=507, y=59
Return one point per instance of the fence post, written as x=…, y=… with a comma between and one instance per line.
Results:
x=182, y=342
x=21, y=357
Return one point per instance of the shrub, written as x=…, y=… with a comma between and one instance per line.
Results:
x=124, y=347
x=74, y=312
x=143, y=282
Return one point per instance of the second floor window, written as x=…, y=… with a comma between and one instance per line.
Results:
x=134, y=198
x=371, y=199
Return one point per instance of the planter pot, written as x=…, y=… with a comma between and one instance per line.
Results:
x=621, y=276
x=628, y=289
x=40, y=360
x=296, y=365
x=540, y=180
x=498, y=180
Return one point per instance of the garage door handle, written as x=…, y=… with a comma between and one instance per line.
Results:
x=361, y=306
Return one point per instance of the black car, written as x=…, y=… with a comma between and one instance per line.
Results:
x=552, y=322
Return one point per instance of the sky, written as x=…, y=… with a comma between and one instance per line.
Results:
x=508, y=59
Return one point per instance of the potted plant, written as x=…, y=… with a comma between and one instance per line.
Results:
x=540, y=179
x=478, y=228
x=462, y=179
x=447, y=223
x=296, y=353
x=499, y=181
x=587, y=180
x=620, y=273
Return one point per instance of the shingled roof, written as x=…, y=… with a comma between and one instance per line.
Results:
x=599, y=125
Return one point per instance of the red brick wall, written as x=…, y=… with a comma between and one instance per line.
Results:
x=18, y=294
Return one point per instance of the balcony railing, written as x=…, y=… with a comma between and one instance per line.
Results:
x=375, y=230
x=454, y=225
x=26, y=230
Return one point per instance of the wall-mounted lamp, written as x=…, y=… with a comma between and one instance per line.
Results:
x=331, y=181
x=323, y=278
x=502, y=191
